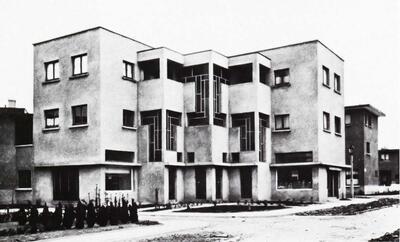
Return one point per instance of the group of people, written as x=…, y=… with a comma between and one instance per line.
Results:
x=113, y=213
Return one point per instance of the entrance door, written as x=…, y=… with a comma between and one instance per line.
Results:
x=245, y=182
x=201, y=184
x=218, y=182
x=66, y=184
x=333, y=184
x=172, y=183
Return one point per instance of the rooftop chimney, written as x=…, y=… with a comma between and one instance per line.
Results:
x=12, y=103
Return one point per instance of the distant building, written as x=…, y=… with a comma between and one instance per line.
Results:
x=116, y=115
x=16, y=155
x=362, y=132
x=389, y=166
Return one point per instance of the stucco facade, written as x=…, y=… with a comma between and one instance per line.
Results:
x=184, y=127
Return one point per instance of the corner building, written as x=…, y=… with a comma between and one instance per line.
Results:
x=115, y=117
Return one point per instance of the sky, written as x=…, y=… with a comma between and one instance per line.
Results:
x=366, y=33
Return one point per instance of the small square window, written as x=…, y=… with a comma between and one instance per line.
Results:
x=79, y=64
x=190, y=157
x=282, y=122
x=52, y=70
x=338, y=124
x=235, y=157
x=326, y=121
x=129, y=70
x=79, y=115
x=128, y=118
x=24, y=179
x=337, y=83
x=51, y=118
x=325, y=76
x=282, y=77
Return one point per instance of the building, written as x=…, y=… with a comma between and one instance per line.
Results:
x=389, y=167
x=16, y=155
x=115, y=117
x=362, y=134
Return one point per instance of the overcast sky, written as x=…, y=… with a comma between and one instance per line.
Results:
x=365, y=33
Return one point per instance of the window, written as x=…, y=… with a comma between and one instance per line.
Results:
x=337, y=83
x=66, y=184
x=224, y=157
x=355, y=178
x=192, y=73
x=118, y=182
x=190, y=157
x=368, y=120
x=200, y=116
x=179, y=157
x=282, y=122
x=173, y=120
x=128, y=70
x=384, y=156
x=79, y=115
x=221, y=73
x=245, y=122
x=348, y=119
x=241, y=73
x=128, y=117
x=294, y=177
x=79, y=64
x=264, y=124
x=235, y=157
x=201, y=183
x=174, y=70
x=264, y=74
x=51, y=118
x=122, y=156
x=171, y=183
x=325, y=76
x=326, y=121
x=151, y=69
x=338, y=124
x=368, y=148
x=282, y=77
x=219, y=118
x=294, y=157
x=153, y=120
x=52, y=70
x=24, y=179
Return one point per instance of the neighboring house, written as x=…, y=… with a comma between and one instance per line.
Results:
x=114, y=115
x=388, y=166
x=362, y=134
x=16, y=155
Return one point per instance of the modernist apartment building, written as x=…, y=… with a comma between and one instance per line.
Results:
x=118, y=116
x=362, y=133
x=389, y=166
x=16, y=155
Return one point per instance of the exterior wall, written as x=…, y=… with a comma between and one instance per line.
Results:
x=43, y=185
x=371, y=163
x=392, y=164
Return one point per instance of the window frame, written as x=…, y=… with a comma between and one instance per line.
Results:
x=338, y=124
x=337, y=83
x=174, y=119
x=246, y=124
x=367, y=148
x=54, y=118
x=124, y=118
x=74, y=122
x=282, y=121
x=290, y=169
x=56, y=75
x=107, y=188
x=325, y=79
x=27, y=181
x=125, y=74
x=80, y=57
x=282, y=73
x=326, y=126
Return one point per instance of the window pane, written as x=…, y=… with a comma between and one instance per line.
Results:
x=77, y=65
x=84, y=64
x=286, y=121
x=49, y=71
x=56, y=70
x=278, y=80
x=129, y=70
x=348, y=119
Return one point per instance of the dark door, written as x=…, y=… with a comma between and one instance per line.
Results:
x=333, y=184
x=218, y=182
x=171, y=183
x=245, y=182
x=66, y=184
x=201, y=185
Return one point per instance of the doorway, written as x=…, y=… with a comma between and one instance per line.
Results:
x=201, y=183
x=333, y=183
x=171, y=183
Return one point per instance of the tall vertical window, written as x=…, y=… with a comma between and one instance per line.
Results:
x=264, y=74
x=128, y=70
x=282, y=122
x=128, y=117
x=79, y=115
x=264, y=124
x=24, y=179
x=51, y=118
x=245, y=122
x=326, y=121
x=325, y=76
x=201, y=103
x=282, y=77
x=79, y=64
x=368, y=120
x=338, y=125
x=337, y=83
x=347, y=119
x=367, y=148
x=52, y=70
x=173, y=120
x=153, y=120
x=219, y=117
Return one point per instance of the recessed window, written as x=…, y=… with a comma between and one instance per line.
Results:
x=128, y=70
x=338, y=124
x=79, y=64
x=128, y=118
x=122, y=156
x=294, y=177
x=355, y=178
x=24, y=179
x=368, y=120
x=173, y=121
x=347, y=119
x=264, y=74
x=51, y=118
x=325, y=76
x=264, y=124
x=337, y=83
x=282, y=122
x=52, y=70
x=118, y=181
x=241, y=74
x=153, y=120
x=190, y=157
x=245, y=122
x=326, y=121
x=282, y=77
x=174, y=70
x=151, y=69
x=224, y=157
x=79, y=115
x=294, y=157
x=179, y=156
x=367, y=148
x=235, y=156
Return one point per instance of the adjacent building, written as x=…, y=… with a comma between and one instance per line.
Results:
x=16, y=155
x=362, y=134
x=115, y=117
x=389, y=167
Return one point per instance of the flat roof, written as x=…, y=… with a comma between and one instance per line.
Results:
x=87, y=30
x=388, y=150
x=367, y=107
